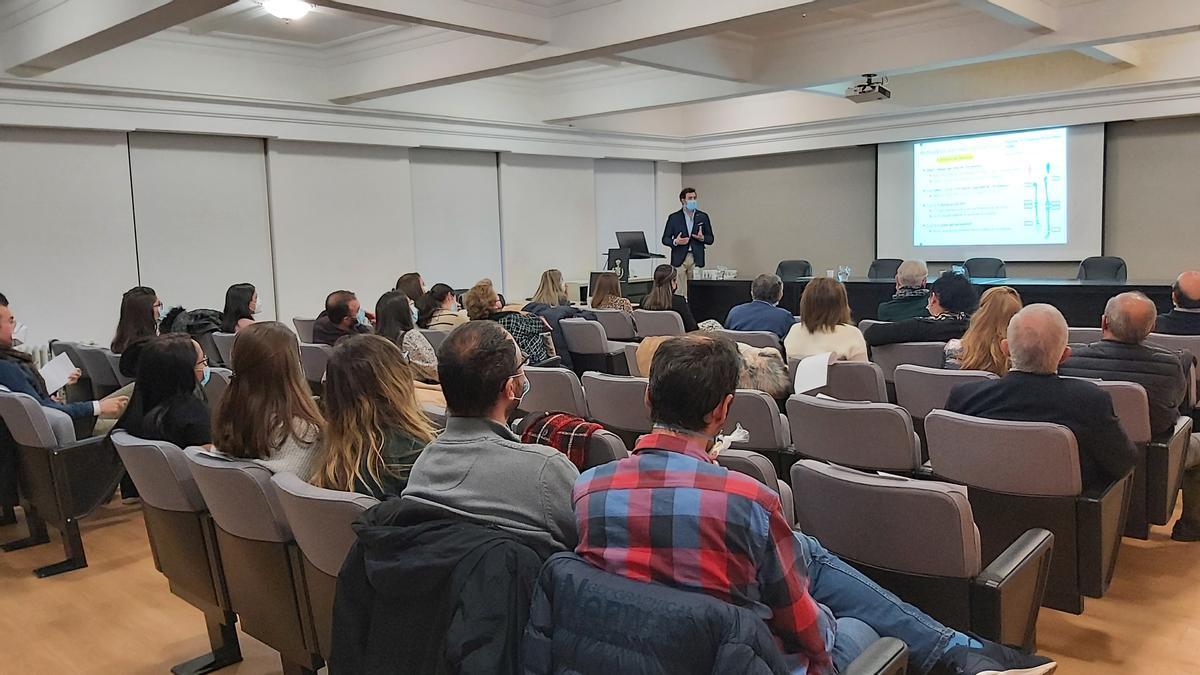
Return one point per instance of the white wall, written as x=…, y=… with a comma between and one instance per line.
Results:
x=548, y=219
x=67, y=221
x=200, y=204
x=456, y=214
x=625, y=201
x=342, y=218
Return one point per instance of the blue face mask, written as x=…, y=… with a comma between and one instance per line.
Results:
x=414, y=313
x=362, y=316
x=691, y=204
x=207, y=374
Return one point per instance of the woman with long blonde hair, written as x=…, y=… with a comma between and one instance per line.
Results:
x=979, y=348
x=374, y=428
x=267, y=414
x=550, y=290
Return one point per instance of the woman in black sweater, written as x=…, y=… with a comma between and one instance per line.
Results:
x=663, y=297
x=166, y=405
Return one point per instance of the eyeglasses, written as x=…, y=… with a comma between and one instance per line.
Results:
x=202, y=362
x=521, y=365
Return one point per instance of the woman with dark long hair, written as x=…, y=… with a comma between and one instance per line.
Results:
x=140, y=313
x=165, y=405
x=374, y=427
x=394, y=322
x=267, y=414
x=662, y=297
x=241, y=304
x=438, y=309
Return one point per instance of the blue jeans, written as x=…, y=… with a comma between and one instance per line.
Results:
x=849, y=638
x=850, y=595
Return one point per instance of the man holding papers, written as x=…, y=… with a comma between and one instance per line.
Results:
x=18, y=374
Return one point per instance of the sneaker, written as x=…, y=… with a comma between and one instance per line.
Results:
x=1181, y=532
x=968, y=661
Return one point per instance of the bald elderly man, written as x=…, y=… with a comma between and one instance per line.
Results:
x=1184, y=319
x=1032, y=391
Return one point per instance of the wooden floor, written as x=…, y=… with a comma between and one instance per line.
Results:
x=117, y=616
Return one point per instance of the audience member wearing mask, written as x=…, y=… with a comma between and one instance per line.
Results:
x=438, y=309
x=241, y=304
x=951, y=301
x=483, y=302
x=374, y=427
x=166, y=405
x=414, y=287
x=344, y=315
x=663, y=298
x=393, y=321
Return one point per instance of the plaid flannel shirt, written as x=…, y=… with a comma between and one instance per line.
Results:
x=671, y=515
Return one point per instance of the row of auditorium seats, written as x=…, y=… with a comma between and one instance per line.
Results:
x=1095, y=268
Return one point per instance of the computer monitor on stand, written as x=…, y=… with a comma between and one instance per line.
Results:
x=636, y=243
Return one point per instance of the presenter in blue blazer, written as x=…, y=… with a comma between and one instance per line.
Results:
x=687, y=232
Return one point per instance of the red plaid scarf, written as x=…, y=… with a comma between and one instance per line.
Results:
x=566, y=433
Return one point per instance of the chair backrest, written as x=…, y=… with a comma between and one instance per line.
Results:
x=239, y=496
x=95, y=359
x=762, y=470
x=603, y=447
x=754, y=338
x=320, y=519
x=554, y=390
x=759, y=415
x=1132, y=407
x=618, y=401
x=114, y=362
x=435, y=337
x=218, y=382
x=1179, y=343
x=161, y=473
x=849, y=381
x=631, y=350
x=28, y=422
x=864, y=435
x=224, y=343
x=657, y=322
x=884, y=268
x=1103, y=268
x=618, y=325
x=72, y=351
x=928, y=354
x=920, y=389
x=314, y=358
x=1030, y=458
x=304, y=328
x=1083, y=336
x=793, y=270
x=584, y=337
x=985, y=268
x=917, y=526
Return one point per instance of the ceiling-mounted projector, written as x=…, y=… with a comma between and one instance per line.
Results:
x=870, y=89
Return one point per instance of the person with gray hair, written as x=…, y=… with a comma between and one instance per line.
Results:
x=911, y=295
x=762, y=312
x=1033, y=391
x=1121, y=354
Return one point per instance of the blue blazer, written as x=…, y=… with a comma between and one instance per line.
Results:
x=21, y=381
x=677, y=225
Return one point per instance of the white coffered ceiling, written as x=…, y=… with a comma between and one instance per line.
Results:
x=674, y=67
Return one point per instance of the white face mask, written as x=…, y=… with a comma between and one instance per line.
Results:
x=20, y=333
x=257, y=308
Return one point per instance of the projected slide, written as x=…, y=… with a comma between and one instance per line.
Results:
x=998, y=190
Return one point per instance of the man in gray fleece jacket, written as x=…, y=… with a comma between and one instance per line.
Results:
x=478, y=468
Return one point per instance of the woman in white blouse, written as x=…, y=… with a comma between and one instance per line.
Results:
x=824, y=324
x=393, y=320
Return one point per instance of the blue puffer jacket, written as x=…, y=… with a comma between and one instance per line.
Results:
x=585, y=620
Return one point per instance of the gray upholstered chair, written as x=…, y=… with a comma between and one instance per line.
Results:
x=849, y=381
x=313, y=359
x=761, y=469
x=224, y=344
x=320, y=520
x=619, y=403
x=884, y=268
x=262, y=565
x=304, y=328
x=1103, y=268
x=590, y=347
x=61, y=480
x=1083, y=336
x=657, y=322
x=209, y=346
x=876, y=436
x=1181, y=343
x=754, y=338
x=921, y=389
x=82, y=389
x=618, y=325
x=1022, y=475
x=435, y=337
x=985, y=268
x=603, y=446
x=925, y=548
x=759, y=415
x=99, y=370
x=631, y=350
x=218, y=383
x=114, y=362
x=793, y=270
x=1158, y=474
x=554, y=390
x=183, y=542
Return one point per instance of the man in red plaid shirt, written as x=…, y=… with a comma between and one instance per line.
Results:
x=670, y=514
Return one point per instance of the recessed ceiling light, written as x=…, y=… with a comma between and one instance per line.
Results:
x=286, y=9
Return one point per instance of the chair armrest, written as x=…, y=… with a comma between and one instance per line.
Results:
x=86, y=473
x=1006, y=596
x=552, y=362
x=1165, y=460
x=1100, y=520
x=885, y=656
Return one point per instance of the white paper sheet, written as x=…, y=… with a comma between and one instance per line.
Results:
x=57, y=372
x=813, y=372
